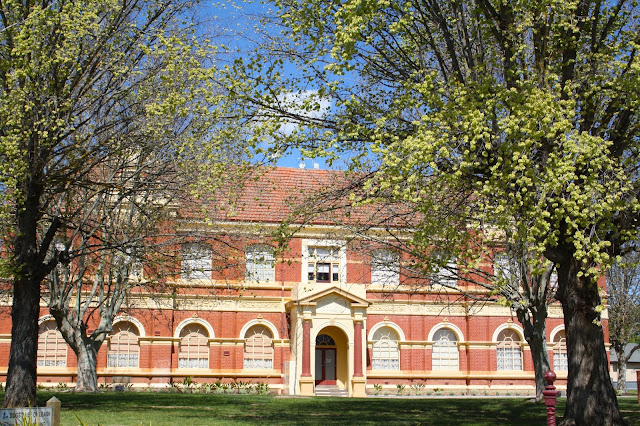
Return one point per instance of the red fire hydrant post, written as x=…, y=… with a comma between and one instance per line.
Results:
x=550, y=395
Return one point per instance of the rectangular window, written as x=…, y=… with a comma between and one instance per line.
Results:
x=324, y=264
x=385, y=267
x=260, y=264
x=196, y=262
x=193, y=362
x=324, y=270
x=446, y=274
x=123, y=360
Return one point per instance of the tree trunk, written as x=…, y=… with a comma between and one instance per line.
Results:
x=622, y=372
x=87, y=367
x=21, y=376
x=539, y=354
x=73, y=329
x=623, y=358
x=591, y=399
x=25, y=309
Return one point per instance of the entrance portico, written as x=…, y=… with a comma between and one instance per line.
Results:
x=329, y=341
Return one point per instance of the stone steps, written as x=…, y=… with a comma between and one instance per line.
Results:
x=327, y=390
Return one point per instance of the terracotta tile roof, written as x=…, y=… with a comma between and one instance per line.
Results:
x=278, y=194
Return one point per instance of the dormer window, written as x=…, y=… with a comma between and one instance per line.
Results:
x=324, y=264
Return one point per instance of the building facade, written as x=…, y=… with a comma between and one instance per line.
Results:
x=322, y=311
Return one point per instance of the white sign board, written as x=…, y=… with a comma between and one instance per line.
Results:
x=41, y=416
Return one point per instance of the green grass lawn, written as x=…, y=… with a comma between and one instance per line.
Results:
x=141, y=408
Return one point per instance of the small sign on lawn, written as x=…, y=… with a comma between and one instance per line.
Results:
x=40, y=416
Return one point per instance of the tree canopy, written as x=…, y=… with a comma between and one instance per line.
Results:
x=84, y=84
x=526, y=110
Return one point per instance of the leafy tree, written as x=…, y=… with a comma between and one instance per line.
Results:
x=528, y=109
x=81, y=84
x=122, y=244
x=117, y=232
x=623, y=288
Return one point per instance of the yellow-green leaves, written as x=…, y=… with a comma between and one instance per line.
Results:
x=533, y=118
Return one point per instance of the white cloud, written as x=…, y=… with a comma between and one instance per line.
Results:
x=306, y=105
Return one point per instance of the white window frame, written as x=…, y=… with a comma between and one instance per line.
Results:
x=445, y=353
x=508, y=350
x=505, y=266
x=52, y=348
x=385, y=267
x=339, y=260
x=196, y=261
x=260, y=265
x=443, y=276
x=188, y=357
x=560, y=358
x=262, y=358
x=385, y=353
x=129, y=358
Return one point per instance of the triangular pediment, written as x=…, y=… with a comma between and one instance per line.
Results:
x=333, y=293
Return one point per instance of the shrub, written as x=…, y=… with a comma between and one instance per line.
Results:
x=418, y=388
x=377, y=388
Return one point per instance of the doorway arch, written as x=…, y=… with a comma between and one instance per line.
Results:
x=331, y=357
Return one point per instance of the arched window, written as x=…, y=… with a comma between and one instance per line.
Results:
x=260, y=264
x=385, y=267
x=258, y=347
x=445, y=350
x=324, y=340
x=509, y=351
x=560, y=361
x=196, y=262
x=124, y=348
x=52, y=349
x=386, y=353
x=194, y=347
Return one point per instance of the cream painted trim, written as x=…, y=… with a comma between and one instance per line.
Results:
x=553, y=333
x=414, y=345
x=340, y=325
x=148, y=341
x=389, y=324
x=456, y=330
x=188, y=321
x=239, y=284
x=452, y=374
x=164, y=340
x=45, y=318
x=51, y=371
x=225, y=342
x=509, y=326
x=260, y=321
x=132, y=320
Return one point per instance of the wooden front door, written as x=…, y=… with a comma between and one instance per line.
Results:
x=325, y=366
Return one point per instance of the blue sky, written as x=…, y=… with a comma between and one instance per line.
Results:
x=235, y=24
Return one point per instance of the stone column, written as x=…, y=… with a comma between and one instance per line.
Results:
x=357, y=349
x=306, y=348
x=358, y=381
x=307, y=386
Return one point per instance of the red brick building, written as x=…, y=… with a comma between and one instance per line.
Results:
x=323, y=311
